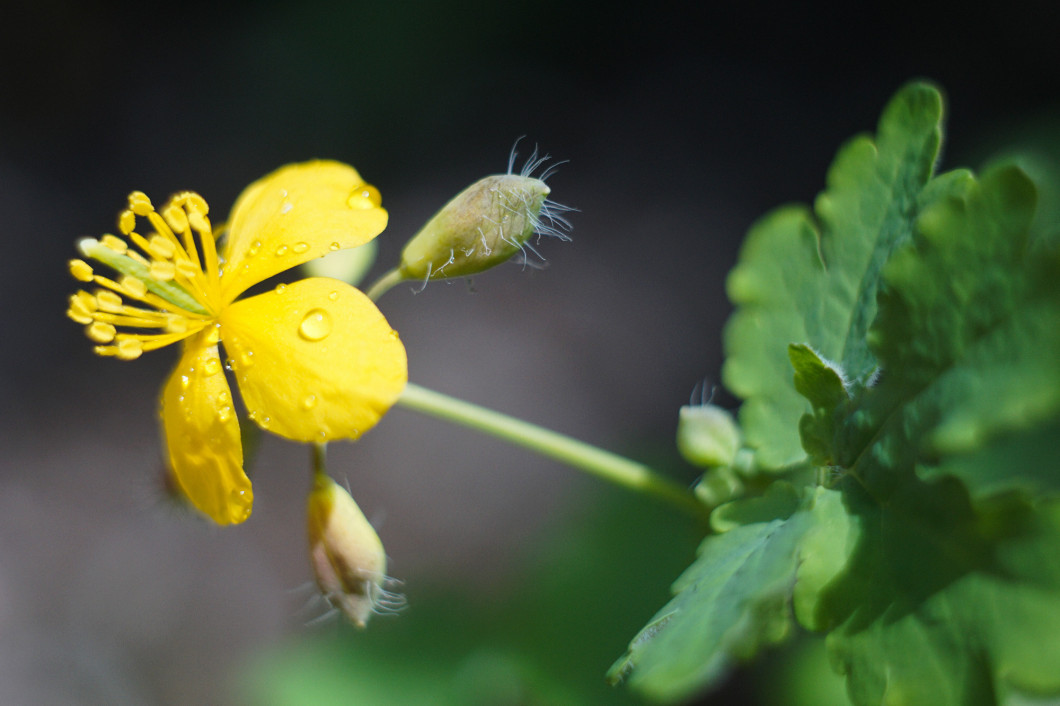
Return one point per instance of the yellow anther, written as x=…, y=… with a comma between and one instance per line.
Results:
x=138, y=257
x=163, y=270
x=176, y=218
x=82, y=306
x=114, y=243
x=194, y=202
x=129, y=348
x=79, y=316
x=100, y=332
x=161, y=247
x=83, y=300
x=199, y=222
x=81, y=270
x=186, y=268
x=140, y=204
x=134, y=286
x=108, y=301
x=176, y=324
x=126, y=221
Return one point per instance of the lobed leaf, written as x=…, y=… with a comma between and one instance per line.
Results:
x=732, y=601
x=805, y=281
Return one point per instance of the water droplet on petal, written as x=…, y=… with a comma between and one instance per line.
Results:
x=224, y=414
x=254, y=248
x=246, y=359
x=241, y=503
x=213, y=335
x=185, y=381
x=212, y=366
x=315, y=326
x=309, y=402
x=300, y=248
x=364, y=198
x=333, y=296
x=334, y=246
x=281, y=288
x=286, y=208
x=281, y=251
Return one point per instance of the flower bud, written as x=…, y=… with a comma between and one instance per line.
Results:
x=345, y=551
x=483, y=226
x=707, y=436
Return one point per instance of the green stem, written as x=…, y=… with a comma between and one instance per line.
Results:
x=603, y=464
x=318, y=460
x=385, y=283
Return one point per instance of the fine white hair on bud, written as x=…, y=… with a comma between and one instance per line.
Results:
x=486, y=224
x=347, y=556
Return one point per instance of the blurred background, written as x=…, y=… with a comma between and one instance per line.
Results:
x=524, y=579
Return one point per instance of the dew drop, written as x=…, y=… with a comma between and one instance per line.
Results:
x=240, y=500
x=246, y=359
x=333, y=296
x=185, y=381
x=254, y=248
x=212, y=366
x=281, y=251
x=315, y=326
x=309, y=402
x=224, y=414
x=300, y=248
x=364, y=198
x=334, y=246
x=286, y=208
x=281, y=288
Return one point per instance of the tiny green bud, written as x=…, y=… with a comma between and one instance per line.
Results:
x=344, y=549
x=718, y=486
x=707, y=436
x=483, y=226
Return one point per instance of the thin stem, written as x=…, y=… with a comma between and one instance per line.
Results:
x=385, y=283
x=603, y=464
x=318, y=455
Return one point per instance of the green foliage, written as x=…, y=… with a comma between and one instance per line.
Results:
x=903, y=343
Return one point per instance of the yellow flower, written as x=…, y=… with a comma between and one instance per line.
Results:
x=314, y=360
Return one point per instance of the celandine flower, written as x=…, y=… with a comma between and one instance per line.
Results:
x=315, y=360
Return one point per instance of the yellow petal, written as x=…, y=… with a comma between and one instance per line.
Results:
x=202, y=434
x=297, y=213
x=315, y=360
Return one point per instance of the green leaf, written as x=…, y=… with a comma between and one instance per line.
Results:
x=730, y=603
x=825, y=386
x=801, y=281
x=937, y=614
x=969, y=337
x=909, y=344
x=952, y=594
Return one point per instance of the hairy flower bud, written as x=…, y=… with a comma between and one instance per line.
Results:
x=483, y=226
x=346, y=554
x=707, y=436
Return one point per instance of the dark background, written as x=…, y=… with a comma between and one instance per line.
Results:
x=680, y=127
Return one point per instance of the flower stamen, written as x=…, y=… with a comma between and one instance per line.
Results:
x=181, y=293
